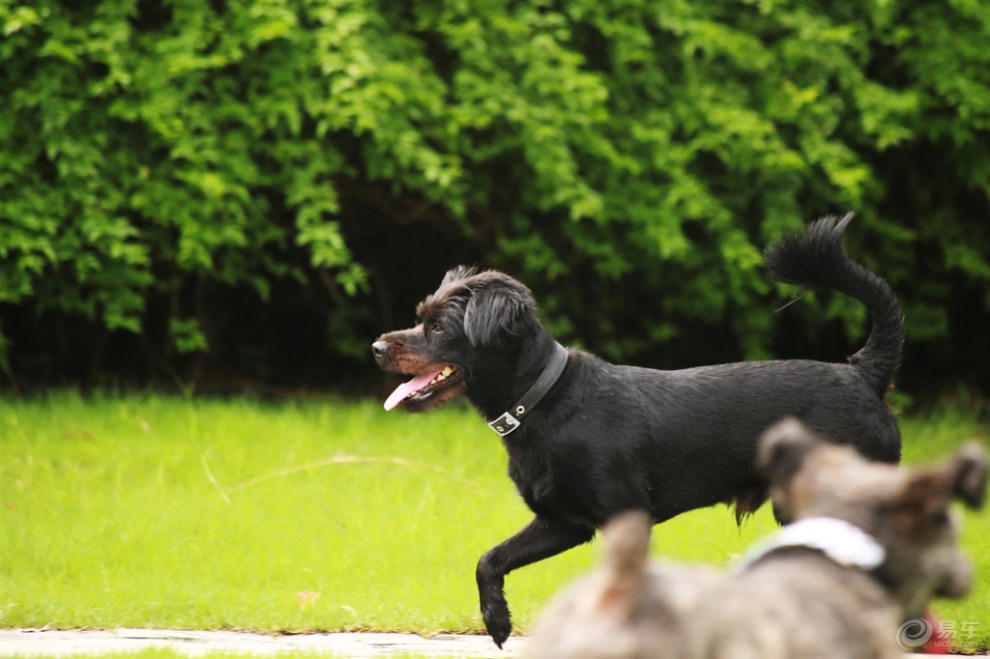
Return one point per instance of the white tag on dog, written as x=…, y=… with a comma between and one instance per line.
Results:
x=841, y=541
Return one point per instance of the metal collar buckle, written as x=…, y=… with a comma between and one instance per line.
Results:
x=508, y=422
x=504, y=424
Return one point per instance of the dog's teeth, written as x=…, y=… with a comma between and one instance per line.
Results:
x=446, y=372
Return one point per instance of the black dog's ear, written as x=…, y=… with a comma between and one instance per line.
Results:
x=497, y=306
x=969, y=475
x=783, y=448
x=489, y=314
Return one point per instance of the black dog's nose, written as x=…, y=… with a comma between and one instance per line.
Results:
x=379, y=348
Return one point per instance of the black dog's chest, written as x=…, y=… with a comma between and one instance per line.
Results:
x=559, y=490
x=545, y=491
x=533, y=479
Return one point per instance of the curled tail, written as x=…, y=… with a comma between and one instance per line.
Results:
x=814, y=258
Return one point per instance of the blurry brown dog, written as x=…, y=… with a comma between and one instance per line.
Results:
x=871, y=544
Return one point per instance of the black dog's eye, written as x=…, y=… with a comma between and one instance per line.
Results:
x=436, y=327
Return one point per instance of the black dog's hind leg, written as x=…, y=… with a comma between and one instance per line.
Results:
x=541, y=538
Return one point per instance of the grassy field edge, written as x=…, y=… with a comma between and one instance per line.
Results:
x=323, y=515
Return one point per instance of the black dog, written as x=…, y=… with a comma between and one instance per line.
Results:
x=587, y=439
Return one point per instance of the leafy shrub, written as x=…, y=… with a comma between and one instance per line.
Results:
x=627, y=159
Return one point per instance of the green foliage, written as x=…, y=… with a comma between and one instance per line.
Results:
x=614, y=151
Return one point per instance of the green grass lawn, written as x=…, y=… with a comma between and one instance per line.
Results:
x=313, y=516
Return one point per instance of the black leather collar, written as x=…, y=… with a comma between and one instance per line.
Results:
x=512, y=419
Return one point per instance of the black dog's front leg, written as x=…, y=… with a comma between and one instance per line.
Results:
x=540, y=539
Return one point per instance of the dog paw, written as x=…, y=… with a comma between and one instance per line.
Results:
x=497, y=620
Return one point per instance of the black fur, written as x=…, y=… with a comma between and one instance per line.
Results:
x=609, y=438
x=814, y=259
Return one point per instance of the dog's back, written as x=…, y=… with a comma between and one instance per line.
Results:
x=693, y=432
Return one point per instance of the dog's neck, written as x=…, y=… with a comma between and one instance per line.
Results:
x=516, y=372
x=511, y=419
x=840, y=541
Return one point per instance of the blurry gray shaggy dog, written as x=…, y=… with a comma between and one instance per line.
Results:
x=870, y=545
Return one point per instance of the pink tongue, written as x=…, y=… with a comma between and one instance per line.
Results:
x=407, y=388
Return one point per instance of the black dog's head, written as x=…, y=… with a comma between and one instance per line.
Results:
x=473, y=321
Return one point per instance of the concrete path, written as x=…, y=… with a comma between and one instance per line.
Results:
x=58, y=643
x=64, y=643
